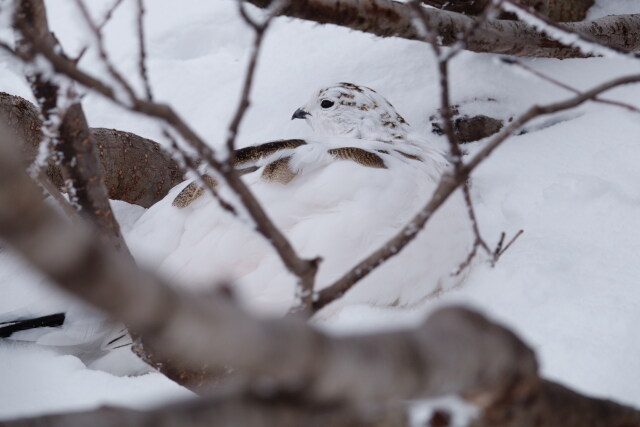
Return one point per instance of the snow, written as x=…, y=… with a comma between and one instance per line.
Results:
x=568, y=286
x=39, y=381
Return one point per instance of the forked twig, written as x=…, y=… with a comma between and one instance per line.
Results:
x=447, y=185
x=105, y=21
x=304, y=269
x=556, y=82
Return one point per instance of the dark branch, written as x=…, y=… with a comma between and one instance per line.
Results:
x=71, y=142
x=387, y=18
x=135, y=169
x=448, y=184
x=556, y=10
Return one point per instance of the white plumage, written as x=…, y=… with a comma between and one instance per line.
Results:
x=340, y=196
x=337, y=206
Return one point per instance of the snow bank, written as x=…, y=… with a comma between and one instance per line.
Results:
x=569, y=286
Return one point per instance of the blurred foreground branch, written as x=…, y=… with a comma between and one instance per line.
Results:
x=491, y=367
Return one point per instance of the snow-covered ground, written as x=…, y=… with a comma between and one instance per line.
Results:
x=569, y=286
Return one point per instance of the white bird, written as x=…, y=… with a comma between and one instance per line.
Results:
x=339, y=196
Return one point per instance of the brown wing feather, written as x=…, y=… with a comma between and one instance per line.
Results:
x=279, y=171
x=358, y=155
x=242, y=156
x=248, y=154
x=191, y=192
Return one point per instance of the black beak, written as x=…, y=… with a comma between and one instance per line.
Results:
x=300, y=114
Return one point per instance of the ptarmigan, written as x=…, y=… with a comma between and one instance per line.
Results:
x=339, y=196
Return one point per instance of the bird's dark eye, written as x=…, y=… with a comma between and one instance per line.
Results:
x=326, y=104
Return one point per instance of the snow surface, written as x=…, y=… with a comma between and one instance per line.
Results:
x=568, y=286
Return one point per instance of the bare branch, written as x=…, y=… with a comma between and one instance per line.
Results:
x=499, y=250
x=492, y=367
x=105, y=20
x=394, y=19
x=289, y=350
x=584, y=43
x=304, y=269
x=72, y=138
x=192, y=165
x=446, y=112
x=556, y=10
x=142, y=60
x=565, y=86
x=447, y=185
x=259, y=30
x=103, y=52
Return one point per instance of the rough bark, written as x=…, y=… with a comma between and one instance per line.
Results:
x=248, y=410
x=73, y=144
x=454, y=351
x=80, y=165
x=556, y=10
x=22, y=120
x=466, y=128
x=554, y=405
x=288, y=350
x=135, y=169
x=387, y=18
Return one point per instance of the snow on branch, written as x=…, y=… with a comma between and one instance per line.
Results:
x=71, y=140
x=304, y=269
x=493, y=368
x=387, y=18
x=447, y=185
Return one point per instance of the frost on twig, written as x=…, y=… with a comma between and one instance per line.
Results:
x=65, y=121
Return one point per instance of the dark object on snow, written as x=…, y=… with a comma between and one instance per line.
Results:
x=469, y=129
x=51, y=321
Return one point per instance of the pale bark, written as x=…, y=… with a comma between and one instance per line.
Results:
x=556, y=10
x=387, y=18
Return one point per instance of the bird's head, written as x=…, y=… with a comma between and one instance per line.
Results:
x=355, y=111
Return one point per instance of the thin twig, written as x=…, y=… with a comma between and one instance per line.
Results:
x=487, y=13
x=55, y=193
x=142, y=52
x=447, y=123
x=304, y=269
x=447, y=185
x=105, y=21
x=558, y=83
x=102, y=51
x=192, y=166
x=508, y=245
x=259, y=30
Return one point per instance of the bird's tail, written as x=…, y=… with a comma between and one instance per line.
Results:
x=50, y=321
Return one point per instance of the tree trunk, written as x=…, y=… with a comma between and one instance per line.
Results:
x=135, y=169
